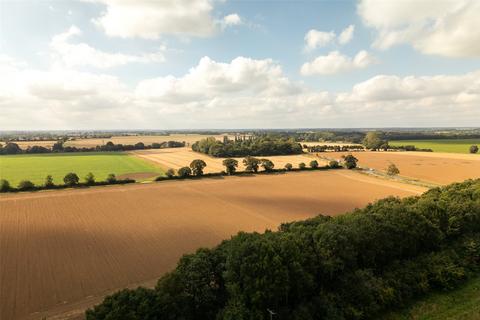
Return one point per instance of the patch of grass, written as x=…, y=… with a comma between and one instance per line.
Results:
x=15, y=168
x=441, y=145
x=462, y=303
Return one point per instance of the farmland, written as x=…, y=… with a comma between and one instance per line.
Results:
x=15, y=168
x=61, y=251
x=437, y=168
x=176, y=158
x=440, y=145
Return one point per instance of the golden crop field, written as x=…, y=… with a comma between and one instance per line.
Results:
x=62, y=251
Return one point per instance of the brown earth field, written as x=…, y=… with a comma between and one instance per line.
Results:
x=436, y=168
x=62, y=251
x=176, y=158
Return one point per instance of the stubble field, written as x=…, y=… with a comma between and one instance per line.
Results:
x=61, y=251
x=176, y=158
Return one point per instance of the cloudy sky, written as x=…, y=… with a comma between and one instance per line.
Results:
x=188, y=64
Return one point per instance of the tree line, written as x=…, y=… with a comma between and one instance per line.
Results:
x=70, y=180
x=13, y=148
x=353, y=266
x=252, y=165
x=257, y=146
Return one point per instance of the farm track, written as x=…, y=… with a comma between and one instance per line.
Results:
x=61, y=251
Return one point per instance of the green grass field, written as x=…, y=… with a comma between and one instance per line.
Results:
x=462, y=303
x=15, y=168
x=441, y=145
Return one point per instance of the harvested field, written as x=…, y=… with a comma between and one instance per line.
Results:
x=438, y=168
x=61, y=251
x=176, y=158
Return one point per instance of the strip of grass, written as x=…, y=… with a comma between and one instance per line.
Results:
x=462, y=303
x=441, y=145
x=36, y=167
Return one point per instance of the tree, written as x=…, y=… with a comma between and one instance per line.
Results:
x=267, y=164
x=26, y=185
x=302, y=165
x=251, y=164
x=230, y=165
x=170, y=173
x=11, y=148
x=71, y=179
x=139, y=145
x=49, y=182
x=4, y=185
x=184, y=172
x=392, y=170
x=334, y=164
x=473, y=149
x=90, y=179
x=288, y=166
x=373, y=140
x=57, y=146
x=314, y=164
x=111, y=178
x=350, y=161
x=197, y=167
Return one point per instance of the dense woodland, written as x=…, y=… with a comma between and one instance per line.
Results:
x=13, y=148
x=353, y=266
x=257, y=146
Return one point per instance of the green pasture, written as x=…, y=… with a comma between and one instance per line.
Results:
x=462, y=303
x=441, y=145
x=35, y=168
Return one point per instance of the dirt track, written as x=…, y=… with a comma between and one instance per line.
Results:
x=61, y=251
x=176, y=158
x=439, y=168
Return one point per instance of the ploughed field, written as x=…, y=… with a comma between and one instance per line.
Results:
x=440, y=145
x=36, y=167
x=62, y=251
x=433, y=167
x=176, y=158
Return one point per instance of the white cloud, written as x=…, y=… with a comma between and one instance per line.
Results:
x=447, y=28
x=150, y=19
x=81, y=54
x=241, y=93
x=232, y=20
x=335, y=62
x=347, y=34
x=316, y=39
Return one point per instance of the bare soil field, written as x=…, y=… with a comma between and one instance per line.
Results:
x=437, y=168
x=62, y=251
x=88, y=143
x=176, y=158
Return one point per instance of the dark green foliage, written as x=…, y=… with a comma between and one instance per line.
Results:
x=71, y=179
x=288, y=166
x=4, y=185
x=473, y=149
x=334, y=164
x=197, y=167
x=258, y=146
x=184, y=172
x=347, y=267
x=302, y=165
x=267, y=164
x=251, y=164
x=26, y=185
x=373, y=140
x=350, y=161
x=49, y=182
x=314, y=164
x=111, y=178
x=89, y=179
x=170, y=173
x=230, y=165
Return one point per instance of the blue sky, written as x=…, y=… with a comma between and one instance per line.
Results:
x=142, y=64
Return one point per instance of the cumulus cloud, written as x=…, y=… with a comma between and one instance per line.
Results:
x=447, y=28
x=81, y=54
x=232, y=20
x=243, y=92
x=316, y=39
x=347, y=34
x=335, y=62
x=151, y=19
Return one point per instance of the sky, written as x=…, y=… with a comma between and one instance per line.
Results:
x=226, y=64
